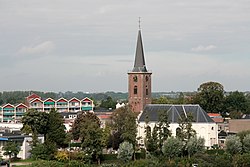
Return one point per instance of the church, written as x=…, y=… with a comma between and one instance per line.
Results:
x=139, y=97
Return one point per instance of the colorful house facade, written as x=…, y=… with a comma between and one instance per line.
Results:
x=13, y=113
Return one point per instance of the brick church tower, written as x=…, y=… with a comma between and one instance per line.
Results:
x=139, y=80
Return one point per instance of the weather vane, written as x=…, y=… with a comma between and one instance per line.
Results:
x=139, y=23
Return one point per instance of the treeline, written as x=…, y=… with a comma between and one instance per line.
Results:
x=15, y=97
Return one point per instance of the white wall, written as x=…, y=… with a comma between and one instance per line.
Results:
x=209, y=131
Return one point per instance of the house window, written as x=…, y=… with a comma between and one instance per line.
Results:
x=135, y=90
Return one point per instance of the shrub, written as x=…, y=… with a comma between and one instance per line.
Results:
x=125, y=151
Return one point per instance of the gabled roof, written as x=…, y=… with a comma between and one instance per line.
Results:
x=74, y=99
x=33, y=96
x=62, y=99
x=175, y=112
x=8, y=105
x=49, y=99
x=86, y=99
x=21, y=105
x=139, y=64
x=35, y=100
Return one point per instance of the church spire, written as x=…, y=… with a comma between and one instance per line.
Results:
x=139, y=64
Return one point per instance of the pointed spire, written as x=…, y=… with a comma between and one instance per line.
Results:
x=139, y=65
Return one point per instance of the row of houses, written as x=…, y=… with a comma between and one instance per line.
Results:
x=14, y=113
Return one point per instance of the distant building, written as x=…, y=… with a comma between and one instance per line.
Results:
x=139, y=97
x=139, y=80
x=24, y=142
x=203, y=125
x=13, y=113
x=238, y=125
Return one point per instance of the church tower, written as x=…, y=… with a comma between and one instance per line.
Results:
x=139, y=80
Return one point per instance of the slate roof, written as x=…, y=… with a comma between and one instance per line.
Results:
x=139, y=65
x=175, y=112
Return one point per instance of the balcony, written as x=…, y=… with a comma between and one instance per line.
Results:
x=19, y=113
x=8, y=113
x=86, y=108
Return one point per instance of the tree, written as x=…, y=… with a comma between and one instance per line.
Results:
x=210, y=96
x=236, y=101
x=246, y=143
x=161, y=100
x=37, y=121
x=185, y=130
x=55, y=128
x=11, y=149
x=163, y=128
x=126, y=151
x=108, y=103
x=233, y=145
x=195, y=145
x=86, y=128
x=124, y=124
x=172, y=147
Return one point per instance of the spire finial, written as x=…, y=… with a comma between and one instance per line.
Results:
x=139, y=23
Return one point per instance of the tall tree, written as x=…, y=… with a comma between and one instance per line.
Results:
x=185, y=130
x=124, y=124
x=86, y=128
x=163, y=127
x=210, y=96
x=236, y=101
x=37, y=121
x=55, y=128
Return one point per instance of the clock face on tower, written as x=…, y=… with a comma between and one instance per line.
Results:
x=135, y=78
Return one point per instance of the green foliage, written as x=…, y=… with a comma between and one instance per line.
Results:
x=125, y=151
x=108, y=103
x=11, y=149
x=242, y=134
x=236, y=101
x=86, y=128
x=185, y=130
x=233, y=145
x=172, y=147
x=37, y=121
x=44, y=151
x=48, y=124
x=143, y=163
x=71, y=163
x=235, y=114
x=195, y=145
x=55, y=128
x=62, y=156
x=246, y=143
x=163, y=128
x=153, y=143
x=210, y=96
x=242, y=160
x=124, y=125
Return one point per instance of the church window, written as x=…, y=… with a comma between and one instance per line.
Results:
x=135, y=78
x=146, y=91
x=135, y=90
x=146, y=78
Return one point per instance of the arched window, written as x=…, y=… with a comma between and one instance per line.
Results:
x=135, y=90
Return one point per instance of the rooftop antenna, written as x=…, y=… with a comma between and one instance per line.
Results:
x=139, y=23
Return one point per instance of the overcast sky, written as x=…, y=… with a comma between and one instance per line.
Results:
x=89, y=46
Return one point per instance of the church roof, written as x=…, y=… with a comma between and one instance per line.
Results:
x=139, y=64
x=175, y=112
